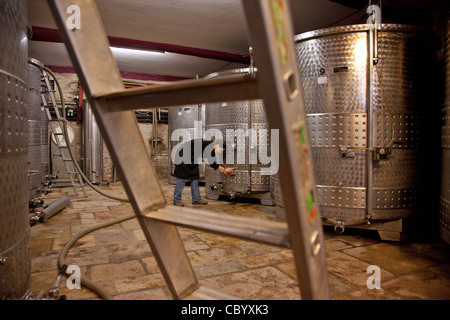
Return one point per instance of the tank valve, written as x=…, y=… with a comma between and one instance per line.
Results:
x=232, y=195
x=382, y=153
x=339, y=227
x=35, y=202
x=345, y=152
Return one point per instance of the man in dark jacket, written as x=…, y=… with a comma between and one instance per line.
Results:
x=186, y=166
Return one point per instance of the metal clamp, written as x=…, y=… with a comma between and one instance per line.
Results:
x=345, y=152
x=54, y=291
x=339, y=227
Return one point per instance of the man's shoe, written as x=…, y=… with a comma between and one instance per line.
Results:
x=179, y=204
x=200, y=202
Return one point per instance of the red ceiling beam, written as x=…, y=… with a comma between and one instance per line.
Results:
x=125, y=74
x=52, y=35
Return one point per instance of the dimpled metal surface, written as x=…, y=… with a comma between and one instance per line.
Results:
x=445, y=144
x=338, y=90
x=184, y=117
x=34, y=116
x=238, y=117
x=14, y=226
x=34, y=130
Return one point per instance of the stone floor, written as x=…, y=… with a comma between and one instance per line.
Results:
x=119, y=258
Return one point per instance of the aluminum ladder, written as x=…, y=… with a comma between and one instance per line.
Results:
x=59, y=132
x=277, y=82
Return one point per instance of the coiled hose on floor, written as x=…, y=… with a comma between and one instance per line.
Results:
x=89, y=284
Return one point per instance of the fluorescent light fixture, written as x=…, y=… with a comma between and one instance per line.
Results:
x=128, y=51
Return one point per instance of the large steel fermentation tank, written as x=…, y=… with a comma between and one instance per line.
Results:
x=189, y=121
x=366, y=94
x=34, y=116
x=445, y=182
x=238, y=118
x=38, y=137
x=15, y=263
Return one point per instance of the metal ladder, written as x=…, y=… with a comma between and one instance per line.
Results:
x=57, y=127
x=277, y=82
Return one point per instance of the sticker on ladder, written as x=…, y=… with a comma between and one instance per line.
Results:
x=280, y=29
x=301, y=142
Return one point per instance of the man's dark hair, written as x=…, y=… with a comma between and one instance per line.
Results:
x=221, y=142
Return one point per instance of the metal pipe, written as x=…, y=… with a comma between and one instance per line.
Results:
x=53, y=209
x=86, y=141
x=155, y=132
x=375, y=46
x=370, y=125
x=249, y=124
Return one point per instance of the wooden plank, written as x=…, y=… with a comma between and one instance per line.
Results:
x=270, y=232
x=124, y=140
x=270, y=28
x=218, y=89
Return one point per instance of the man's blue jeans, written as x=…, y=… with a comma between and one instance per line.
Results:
x=179, y=186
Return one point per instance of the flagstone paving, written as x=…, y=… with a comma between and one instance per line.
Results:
x=119, y=259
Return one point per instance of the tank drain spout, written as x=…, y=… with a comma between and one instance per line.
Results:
x=232, y=195
x=339, y=227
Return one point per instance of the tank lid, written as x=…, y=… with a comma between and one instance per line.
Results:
x=36, y=62
x=385, y=27
x=229, y=72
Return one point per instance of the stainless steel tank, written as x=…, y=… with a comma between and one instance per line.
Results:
x=445, y=181
x=239, y=118
x=34, y=116
x=92, y=146
x=190, y=119
x=277, y=196
x=15, y=263
x=366, y=99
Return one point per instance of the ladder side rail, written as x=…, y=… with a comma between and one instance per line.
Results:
x=63, y=146
x=124, y=140
x=51, y=94
x=270, y=28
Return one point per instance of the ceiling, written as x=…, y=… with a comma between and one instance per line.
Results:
x=198, y=36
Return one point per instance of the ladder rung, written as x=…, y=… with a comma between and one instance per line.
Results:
x=218, y=89
x=270, y=232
